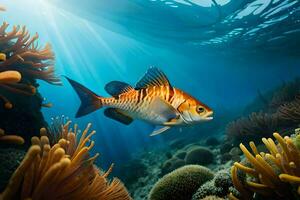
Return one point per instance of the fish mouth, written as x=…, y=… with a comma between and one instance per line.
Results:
x=209, y=116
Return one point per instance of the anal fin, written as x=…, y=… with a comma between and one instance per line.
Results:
x=159, y=129
x=118, y=115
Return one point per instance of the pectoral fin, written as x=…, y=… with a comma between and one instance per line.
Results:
x=164, y=110
x=159, y=129
x=118, y=115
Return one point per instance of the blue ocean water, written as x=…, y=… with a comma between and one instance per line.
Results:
x=222, y=52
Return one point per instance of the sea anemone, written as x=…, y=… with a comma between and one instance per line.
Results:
x=274, y=174
x=22, y=62
x=62, y=171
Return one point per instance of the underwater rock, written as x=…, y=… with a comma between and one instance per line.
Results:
x=172, y=164
x=169, y=155
x=180, y=154
x=177, y=144
x=135, y=169
x=199, y=155
x=225, y=147
x=235, y=151
x=180, y=184
x=225, y=157
x=25, y=117
x=278, y=170
x=212, y=141
x=10, y=159
x=64, y=170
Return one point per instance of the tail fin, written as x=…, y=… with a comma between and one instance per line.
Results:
x=89, y=100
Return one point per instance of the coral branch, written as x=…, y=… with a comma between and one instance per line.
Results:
x=10, y=139
x=290, y=112
x=255, y=126
x=277, y=175
x=20, y=55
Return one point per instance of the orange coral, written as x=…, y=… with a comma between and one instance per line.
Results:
x=273, y=174
x=62, y=171
x=20, y=55
x=10, y=139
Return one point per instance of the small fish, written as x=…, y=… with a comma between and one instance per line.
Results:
x=2, y=8
x=153, y=100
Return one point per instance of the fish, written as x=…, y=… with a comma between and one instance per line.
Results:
x=153, y=99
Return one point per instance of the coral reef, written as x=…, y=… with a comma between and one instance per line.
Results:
x=199, y=155
x=212, y=141
x=22, y=62
x=285, y=93
x=180, y=184
x=134, y=168
x=279, y=114
x=253, y=127
x=289, y=113
x=62, y=171
x=10, y=159
x=172, y=164
x=190, y=154
x=274, y=175
x=218, y=187
x=180, y=154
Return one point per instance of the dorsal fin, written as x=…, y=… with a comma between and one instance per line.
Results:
x=153, y=77
x=116, y=88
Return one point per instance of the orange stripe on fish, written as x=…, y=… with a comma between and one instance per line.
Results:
x=153, y=99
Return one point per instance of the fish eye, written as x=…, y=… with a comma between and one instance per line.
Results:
x=200, y=109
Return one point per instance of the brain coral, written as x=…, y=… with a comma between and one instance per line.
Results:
x=172, y=164
x=199, y=155
x=219, y=186
x=180, y=184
